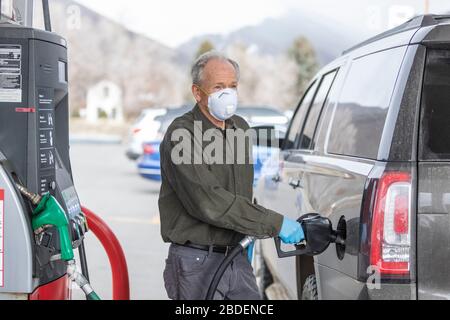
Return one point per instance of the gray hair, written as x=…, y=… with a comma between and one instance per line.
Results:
x=200, y=63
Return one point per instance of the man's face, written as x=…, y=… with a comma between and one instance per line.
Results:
x=217, y=75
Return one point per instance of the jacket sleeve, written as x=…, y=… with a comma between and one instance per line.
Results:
x=203, y=198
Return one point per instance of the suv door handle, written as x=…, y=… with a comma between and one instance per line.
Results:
x=276, y=178
x=295, y=183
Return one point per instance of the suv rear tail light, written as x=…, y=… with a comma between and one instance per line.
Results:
x=391, y=224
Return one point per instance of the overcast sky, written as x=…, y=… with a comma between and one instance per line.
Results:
x=173, y=22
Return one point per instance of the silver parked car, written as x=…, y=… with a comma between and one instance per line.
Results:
x=145, y=128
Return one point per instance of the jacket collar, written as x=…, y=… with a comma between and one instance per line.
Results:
x=207, y=124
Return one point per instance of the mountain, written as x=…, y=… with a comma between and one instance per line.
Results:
x=102, y=49
x=152, y=74
x=275, y=35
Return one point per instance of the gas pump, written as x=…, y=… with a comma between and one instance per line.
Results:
x=41, y=218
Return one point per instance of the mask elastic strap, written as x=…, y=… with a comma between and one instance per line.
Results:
x=202, y=90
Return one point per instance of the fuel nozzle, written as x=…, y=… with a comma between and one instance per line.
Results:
x=319, y=234
x=48, y=212
x=337, y=237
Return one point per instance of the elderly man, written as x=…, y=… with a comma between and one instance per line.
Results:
x=206, y=208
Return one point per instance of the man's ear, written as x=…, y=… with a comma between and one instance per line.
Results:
x=196, y=92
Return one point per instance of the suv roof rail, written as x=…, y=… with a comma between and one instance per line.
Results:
x=415, y=22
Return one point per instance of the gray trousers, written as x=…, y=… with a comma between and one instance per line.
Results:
x=189, y=271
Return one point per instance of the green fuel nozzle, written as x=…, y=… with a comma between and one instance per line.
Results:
x=48, y=212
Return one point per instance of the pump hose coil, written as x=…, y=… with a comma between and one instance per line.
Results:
x=243, y=244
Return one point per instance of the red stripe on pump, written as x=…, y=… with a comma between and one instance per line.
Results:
x=26, y=110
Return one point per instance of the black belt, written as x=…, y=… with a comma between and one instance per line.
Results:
x=219, y=249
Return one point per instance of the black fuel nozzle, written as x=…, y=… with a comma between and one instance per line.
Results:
x=337, y=237
x=319, y=234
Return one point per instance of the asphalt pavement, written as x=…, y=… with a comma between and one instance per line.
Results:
x=108, y=184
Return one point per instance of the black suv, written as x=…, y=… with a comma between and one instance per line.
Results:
x=369, y=148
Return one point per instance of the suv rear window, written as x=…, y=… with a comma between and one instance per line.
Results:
x=361, y=112
x=435, y=122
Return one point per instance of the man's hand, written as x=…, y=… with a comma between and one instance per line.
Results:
x=291, y=231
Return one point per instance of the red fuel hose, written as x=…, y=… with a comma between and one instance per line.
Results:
x=120, y=281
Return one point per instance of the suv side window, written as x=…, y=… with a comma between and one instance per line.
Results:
x=435, y=122
x=360, y=114
x=299, y=117
x=308, y=134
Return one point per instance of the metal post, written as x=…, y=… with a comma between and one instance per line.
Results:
x=47, y=21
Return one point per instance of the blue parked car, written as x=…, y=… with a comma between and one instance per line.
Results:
x=149, y=162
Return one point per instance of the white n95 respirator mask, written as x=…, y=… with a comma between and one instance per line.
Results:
x=222, y=104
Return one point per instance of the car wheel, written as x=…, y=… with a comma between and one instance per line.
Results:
x=262, y=273
x=304, y=266
x=310, y=289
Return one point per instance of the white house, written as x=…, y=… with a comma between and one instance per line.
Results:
x=104, y=100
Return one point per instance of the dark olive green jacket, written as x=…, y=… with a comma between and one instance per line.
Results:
x=208, y=203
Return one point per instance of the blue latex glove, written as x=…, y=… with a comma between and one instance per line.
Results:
x=250, y=251
x=291, y=231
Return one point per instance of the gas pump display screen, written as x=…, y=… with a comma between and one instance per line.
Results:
x=72, y=202
x=10, y=73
